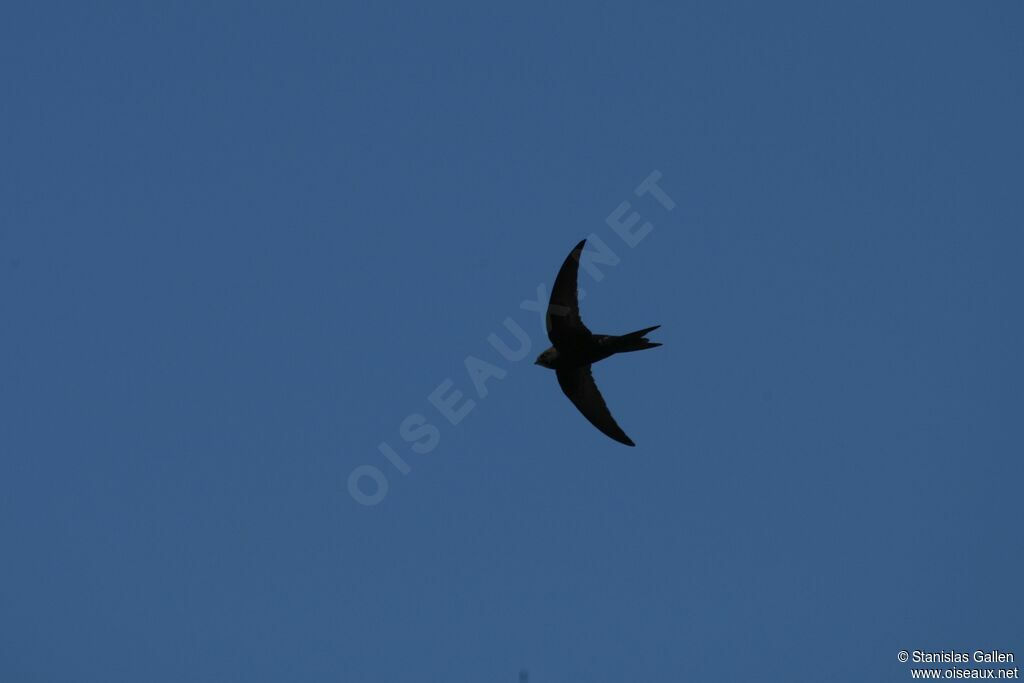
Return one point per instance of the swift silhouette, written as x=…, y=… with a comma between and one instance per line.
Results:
x=576, y=348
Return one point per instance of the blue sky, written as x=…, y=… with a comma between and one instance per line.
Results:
x=241, y=243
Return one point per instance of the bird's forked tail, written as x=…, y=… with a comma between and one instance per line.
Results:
x=636, y=341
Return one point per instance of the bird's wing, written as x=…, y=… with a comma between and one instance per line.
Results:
x=578, y=384
x=565, y=329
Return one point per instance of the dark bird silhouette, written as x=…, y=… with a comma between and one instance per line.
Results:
x=576, y=348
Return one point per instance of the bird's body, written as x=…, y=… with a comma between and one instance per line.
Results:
x=575, y=348
x=602, y=346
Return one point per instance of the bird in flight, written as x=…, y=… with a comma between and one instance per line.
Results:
x=575, y=349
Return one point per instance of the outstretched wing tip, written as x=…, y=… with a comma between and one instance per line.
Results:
x=625, y=440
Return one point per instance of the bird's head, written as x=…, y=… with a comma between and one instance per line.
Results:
x=547, y=359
